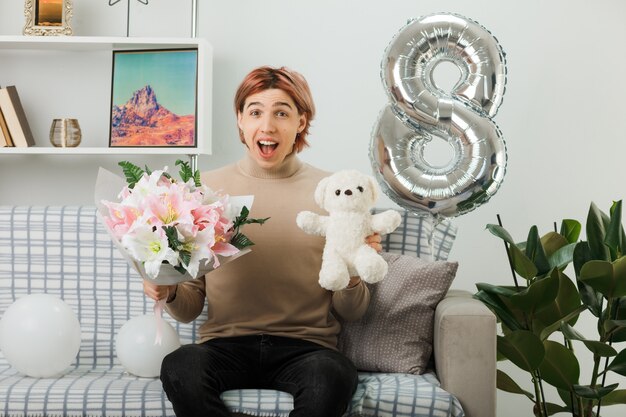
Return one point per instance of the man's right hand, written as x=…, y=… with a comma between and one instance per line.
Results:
x=159, y=292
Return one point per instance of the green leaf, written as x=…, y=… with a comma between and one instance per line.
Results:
x=599, y=276
x=184, y=256
x=506, y=383
x=566, y=302
x=615, y=397
x=548, y=330
x=619, y=270
x=593, y=393
x=590, y=297
x=240, y=241
x=618, y=364
x=256, y=221
x=619, y=335
x=522, y=264
x=243, y=216
x=172, y=237
x=562, y=257
x=570, y=229
x=555, y=408
x=180, y=269
x=552, y=241
x=540, y=293
x=243, y=219
x=596, y=347
x=506, y=291
x=535, y=252
x=613, y=238
x=500, y=232
x=185, y=170
x=597, y=221
x=186, y=173
x=623, y=234
x=497, y=297
x=613, y=327
x=566, y=397
x=607, y=278
x=582, y=255
x=500, y=309
x=522, y=348
x=174, y=243
x=560, y=367
x=132, y=173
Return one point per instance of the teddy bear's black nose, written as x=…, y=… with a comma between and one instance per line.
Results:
x=348, y=192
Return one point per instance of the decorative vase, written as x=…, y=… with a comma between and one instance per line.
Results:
x=65, y=133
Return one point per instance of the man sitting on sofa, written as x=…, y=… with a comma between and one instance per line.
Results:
x=269, y=323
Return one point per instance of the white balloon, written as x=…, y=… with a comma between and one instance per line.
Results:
x=40, y=335
x=136, y=345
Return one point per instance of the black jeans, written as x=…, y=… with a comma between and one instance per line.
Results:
x=321, y=380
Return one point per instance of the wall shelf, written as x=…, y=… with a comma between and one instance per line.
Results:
x=70, y=76
x=84, y=150
x=91, y=43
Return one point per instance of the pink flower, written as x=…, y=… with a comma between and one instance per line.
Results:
x=121, y=218
x=169, y=208
x=224, y=249
x=206, y=216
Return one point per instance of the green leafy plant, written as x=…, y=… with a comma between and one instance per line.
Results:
x=538, y=314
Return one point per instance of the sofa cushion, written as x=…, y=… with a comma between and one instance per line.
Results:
x=420, y=236
x=381, y=395
x=83, y=392
x=396, y=332
x=111, y=392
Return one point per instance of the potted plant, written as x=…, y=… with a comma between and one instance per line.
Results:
x=538, y=313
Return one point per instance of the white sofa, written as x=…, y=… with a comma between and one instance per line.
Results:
x=65, y=251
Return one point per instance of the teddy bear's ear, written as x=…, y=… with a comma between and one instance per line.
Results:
x=320, y=190
x=374, y=187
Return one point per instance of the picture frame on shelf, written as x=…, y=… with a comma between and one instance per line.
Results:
x=154, y=98
x=48, y=17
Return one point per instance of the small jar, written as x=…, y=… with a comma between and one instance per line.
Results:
x=65, y=133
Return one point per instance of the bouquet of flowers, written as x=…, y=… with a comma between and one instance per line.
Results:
x=171, y=230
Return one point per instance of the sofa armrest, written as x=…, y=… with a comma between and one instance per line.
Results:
x=465, y=352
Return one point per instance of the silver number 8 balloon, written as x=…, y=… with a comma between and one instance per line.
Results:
x=420, y=111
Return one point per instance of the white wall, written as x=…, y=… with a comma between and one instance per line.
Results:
x=561, y=117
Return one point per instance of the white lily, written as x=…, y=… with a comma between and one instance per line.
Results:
x=147, y=185
x=199, y=245
x=208, y=195
x=150, y=247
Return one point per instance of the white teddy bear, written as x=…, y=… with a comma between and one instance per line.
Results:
x=348, y=196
